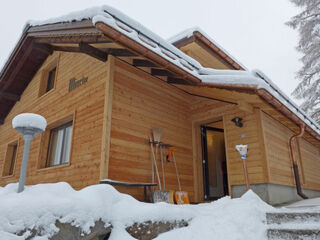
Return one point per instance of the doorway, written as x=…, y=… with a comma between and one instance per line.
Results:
x=214, y=161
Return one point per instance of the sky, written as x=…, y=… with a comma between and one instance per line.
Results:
x=253, y=31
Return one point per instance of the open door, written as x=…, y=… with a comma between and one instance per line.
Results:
x=214, y=163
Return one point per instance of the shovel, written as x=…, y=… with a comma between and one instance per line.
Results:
x=159, y=195
x=181, y=197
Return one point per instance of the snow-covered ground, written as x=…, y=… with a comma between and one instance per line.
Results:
x=39, y=206
x=307, y=204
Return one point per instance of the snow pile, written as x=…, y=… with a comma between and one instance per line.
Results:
x=29, y=120
x=39, y=206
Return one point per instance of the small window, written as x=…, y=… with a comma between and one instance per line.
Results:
x=10, y=159
x=51, y=78
x=48, y=77
x=59, y=145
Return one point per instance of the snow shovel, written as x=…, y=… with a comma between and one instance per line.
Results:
x=181, y=197
x=159, y=195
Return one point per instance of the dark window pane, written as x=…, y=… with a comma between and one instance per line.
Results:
x=59, y=145
x=51, y=77
x=13, y=158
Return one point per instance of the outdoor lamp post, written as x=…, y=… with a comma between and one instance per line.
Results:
x=29, y=125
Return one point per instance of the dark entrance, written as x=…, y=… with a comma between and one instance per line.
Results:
x=214, y=162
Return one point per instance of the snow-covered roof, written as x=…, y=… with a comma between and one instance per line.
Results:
x=137, y=32
x=189, y=33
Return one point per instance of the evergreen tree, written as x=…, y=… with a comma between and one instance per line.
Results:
x=308, y=25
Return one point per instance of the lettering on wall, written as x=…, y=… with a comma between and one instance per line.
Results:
x=73, y=83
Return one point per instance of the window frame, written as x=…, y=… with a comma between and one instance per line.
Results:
x=49, y=147
x=8, y=171
x=45, y=74
x=44, y=141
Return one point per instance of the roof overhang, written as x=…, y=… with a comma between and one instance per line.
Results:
x=202, y=40
x=36, y=42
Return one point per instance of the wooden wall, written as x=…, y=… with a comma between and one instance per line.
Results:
x=205, y=111
x=140, y=103
x=84, y=105
x=276, y=137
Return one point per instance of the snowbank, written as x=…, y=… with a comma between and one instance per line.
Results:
x=39, y=206
x=29, y=120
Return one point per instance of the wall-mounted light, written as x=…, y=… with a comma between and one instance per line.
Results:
x=237, y=121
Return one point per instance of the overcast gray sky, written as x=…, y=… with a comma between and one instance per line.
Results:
x=253, y=31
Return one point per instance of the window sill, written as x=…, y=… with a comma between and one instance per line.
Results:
x=7, y=176
x=54, y=167
x=46, y=93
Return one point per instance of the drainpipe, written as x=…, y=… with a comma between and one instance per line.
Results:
x=294, y=161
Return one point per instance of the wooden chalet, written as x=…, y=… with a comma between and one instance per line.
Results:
x=104, y=82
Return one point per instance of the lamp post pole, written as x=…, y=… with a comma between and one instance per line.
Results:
x=27, y=140
x=28, y=125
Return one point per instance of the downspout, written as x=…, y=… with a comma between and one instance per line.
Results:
x=294, y=161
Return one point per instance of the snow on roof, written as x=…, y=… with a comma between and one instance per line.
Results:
x=137, y=32
x=189, y=32
x=29, y=120
x=39, y=206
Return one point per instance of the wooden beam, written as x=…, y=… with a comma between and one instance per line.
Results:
x=90, y=39
x=19, y=64
x=120, y=52
x=42, y=47
x=161, y=72
x=244, y=106
x=10, y=96
x=181, y=81
x=93, y=52
x=107, y=116
x=143, y=63
x=66, y=49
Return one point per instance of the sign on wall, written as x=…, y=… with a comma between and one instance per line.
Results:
x=73, y=83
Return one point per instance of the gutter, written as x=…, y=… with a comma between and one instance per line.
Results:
x=294, y=161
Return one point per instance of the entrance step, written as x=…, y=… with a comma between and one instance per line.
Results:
x=301, y=217
x=293, y=234
x=293, y=225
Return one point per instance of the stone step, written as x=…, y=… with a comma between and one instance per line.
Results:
x=293, y=234
x=299, y=217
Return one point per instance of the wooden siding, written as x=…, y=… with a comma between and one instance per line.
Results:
x=203, y=56
x=310, y=164
x=279, y=160
x=84, y=105
x=205, y=111
x=140, y=103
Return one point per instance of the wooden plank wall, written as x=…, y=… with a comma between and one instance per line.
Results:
x=278, y=155
x=205, y=111
x=310, y=165
x=84, y=104
x=140, y=103
x=248, y=135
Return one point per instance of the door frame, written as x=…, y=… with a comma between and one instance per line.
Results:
x=205, y=167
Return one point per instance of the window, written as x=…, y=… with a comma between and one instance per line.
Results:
x=48, y=77
x=51, y=78
x=59, y=145
x=10, y=159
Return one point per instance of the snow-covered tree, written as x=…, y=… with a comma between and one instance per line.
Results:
x=308, y=25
